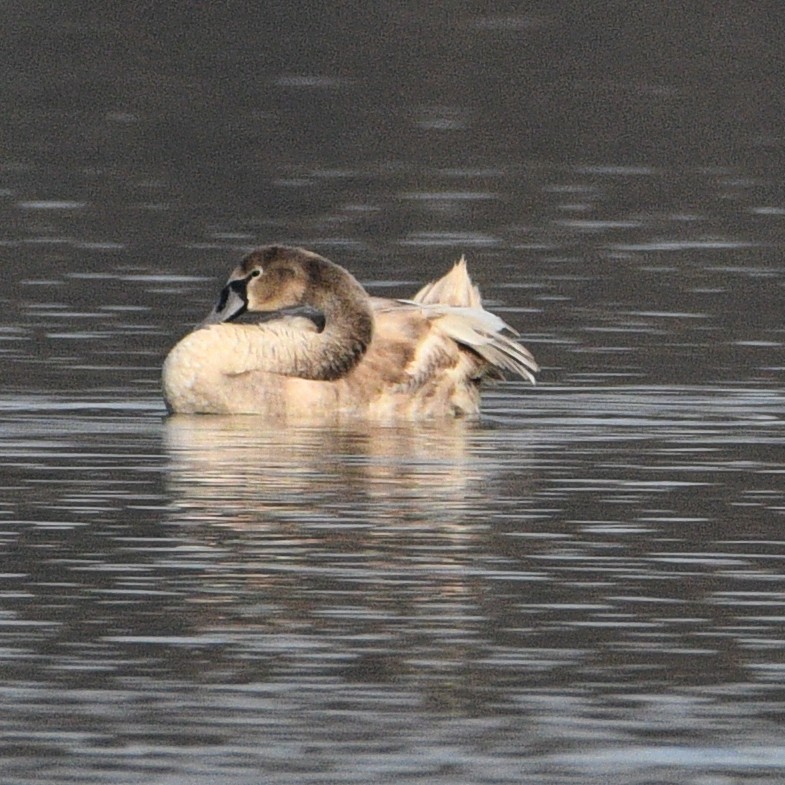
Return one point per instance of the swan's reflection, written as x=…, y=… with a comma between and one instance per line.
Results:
x=366, y=543
x=242, y=471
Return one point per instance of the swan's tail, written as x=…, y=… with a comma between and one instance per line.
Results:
x=457, y=305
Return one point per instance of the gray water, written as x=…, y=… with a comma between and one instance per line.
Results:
x=585, y=586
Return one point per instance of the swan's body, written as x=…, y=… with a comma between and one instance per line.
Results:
x=352, y=353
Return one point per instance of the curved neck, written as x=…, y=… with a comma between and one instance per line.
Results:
x=348, y=322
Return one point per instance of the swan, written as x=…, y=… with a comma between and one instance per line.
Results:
x=295, y=335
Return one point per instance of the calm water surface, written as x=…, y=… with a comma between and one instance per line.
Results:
x=587, y=585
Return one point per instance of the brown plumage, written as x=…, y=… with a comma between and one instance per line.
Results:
x=342, y=351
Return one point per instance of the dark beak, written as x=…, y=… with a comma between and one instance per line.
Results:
x=232, y=303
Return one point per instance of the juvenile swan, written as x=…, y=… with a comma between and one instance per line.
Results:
x=337, y=349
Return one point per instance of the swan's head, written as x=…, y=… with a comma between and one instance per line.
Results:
x=270, y=279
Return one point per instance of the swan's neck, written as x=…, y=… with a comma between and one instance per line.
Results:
x=348, y=324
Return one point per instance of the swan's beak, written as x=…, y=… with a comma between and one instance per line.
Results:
x=232, y=303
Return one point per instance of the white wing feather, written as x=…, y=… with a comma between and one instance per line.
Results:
x=483, y=332
x=454, y=305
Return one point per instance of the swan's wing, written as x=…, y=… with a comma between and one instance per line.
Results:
x=484, y=333
x=452, y=304
x=473, y=328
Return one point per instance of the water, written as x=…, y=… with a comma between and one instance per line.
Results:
x=585, y=586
